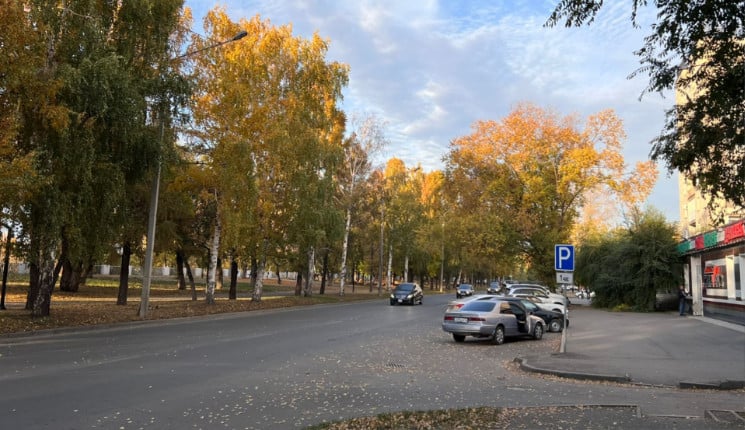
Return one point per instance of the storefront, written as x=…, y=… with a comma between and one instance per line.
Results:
x=715, y=271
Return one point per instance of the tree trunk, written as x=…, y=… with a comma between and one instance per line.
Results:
x=324, y=272
x=67, y=274
x=344, y=247
x=380, y=267
x=33, y=285
x=308, y=291
x=212, y=270
x=254, y=272
x=406, y=268
x=372, y=264
x=190, y=275
x=233, y=294
x=62, y=259
x=259, y=286
x=43, y=300
x=87, y=270
x=219, y=273
x=180, y=270
x=390, y=264
x=6, y=265
x=121, y=298
x=71, y=276
x=299, y=283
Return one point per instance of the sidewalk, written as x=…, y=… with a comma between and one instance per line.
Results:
x=659, y=349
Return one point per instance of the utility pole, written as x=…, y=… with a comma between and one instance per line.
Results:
x=155, y=191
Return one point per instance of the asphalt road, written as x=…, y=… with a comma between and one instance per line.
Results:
x=296, y=367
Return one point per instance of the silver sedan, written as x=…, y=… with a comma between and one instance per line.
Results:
x=493, y=319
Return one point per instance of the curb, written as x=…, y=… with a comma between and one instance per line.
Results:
x=721, y=385
x=525, y=365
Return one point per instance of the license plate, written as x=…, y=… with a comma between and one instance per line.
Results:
x=400, y=300
x=460, y=320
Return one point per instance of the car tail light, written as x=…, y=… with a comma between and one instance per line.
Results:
x=476, y=319
x=448, y=317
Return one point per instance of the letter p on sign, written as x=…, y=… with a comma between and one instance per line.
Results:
x=564, y=257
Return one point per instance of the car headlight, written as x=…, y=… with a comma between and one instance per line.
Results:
x=409, y=296
x=392, y=296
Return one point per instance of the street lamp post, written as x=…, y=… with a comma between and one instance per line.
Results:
x=155, y=191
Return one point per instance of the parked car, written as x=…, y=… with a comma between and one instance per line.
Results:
x=459, y=303
x=526, y=290
x=555, y=307
x=554, y=320
x=493, y=288
x=407, y=293
x=494, y=318
x=464, y=290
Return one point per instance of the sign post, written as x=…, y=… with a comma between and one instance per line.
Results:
x=564, y=266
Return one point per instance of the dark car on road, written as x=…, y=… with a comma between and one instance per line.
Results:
x=464, y=290
x=494, y=288
x=407, y=294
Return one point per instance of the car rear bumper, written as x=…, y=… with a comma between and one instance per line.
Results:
x=467, y=329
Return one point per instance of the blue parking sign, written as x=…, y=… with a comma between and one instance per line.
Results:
x=564, y=257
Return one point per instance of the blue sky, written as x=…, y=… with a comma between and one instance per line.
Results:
x=429, y=69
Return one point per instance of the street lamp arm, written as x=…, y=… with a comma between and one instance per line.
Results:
x=238, y=36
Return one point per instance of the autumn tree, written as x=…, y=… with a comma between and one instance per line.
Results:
x=431, y=236
x=403, y=214
x=267, y=119
x=85, y=124
x=696, y=47
x=365, y=140
x=22, y=51
x=527, y=177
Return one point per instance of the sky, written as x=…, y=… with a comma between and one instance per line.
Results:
x=429, y=69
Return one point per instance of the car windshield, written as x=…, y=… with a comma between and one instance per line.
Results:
x=529, y=305
x=405, y=287
x=465, y=287
x=478, y=306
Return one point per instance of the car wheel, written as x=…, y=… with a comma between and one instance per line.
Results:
x=497, y=338
x=554, y=325
x=538, y=331
x=458, y=337
x=392, y=303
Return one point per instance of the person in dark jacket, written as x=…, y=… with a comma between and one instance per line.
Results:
x=682, y=300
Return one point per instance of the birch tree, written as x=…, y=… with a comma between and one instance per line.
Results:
x=267, y=118
x=367, y=138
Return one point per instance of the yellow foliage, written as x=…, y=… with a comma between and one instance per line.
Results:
x=557, y=160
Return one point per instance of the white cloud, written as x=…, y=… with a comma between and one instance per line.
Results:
x=432, y=68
